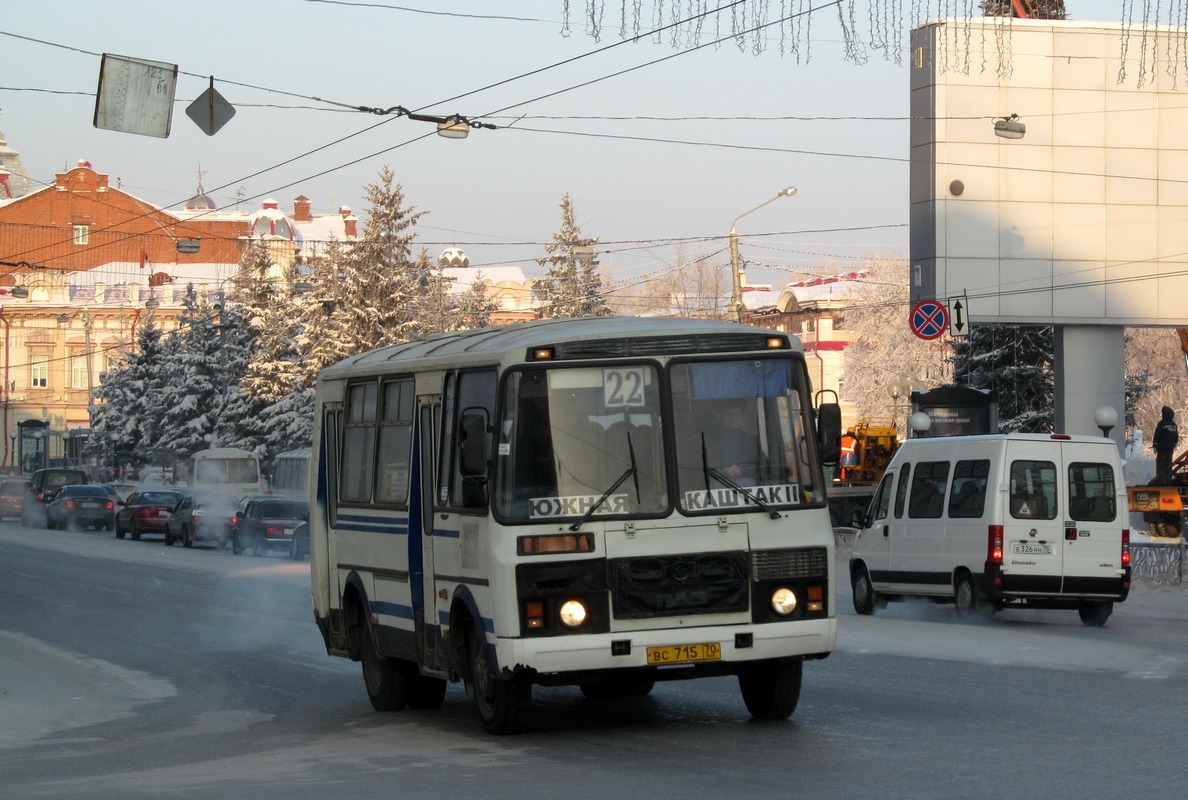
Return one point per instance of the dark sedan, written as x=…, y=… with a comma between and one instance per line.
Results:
x=146, y=512
x=201, y=518
x=80, y=505
x=266, y=522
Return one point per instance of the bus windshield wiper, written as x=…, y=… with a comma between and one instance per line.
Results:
x=630, y=471
x=722, y=477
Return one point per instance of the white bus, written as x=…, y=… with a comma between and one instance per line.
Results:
x=290, y=473
x=539, y=504
x=224, y=470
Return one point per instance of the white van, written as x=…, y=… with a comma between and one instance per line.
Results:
x=989, y=521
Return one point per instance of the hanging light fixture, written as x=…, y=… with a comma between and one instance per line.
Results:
x=1009, y=127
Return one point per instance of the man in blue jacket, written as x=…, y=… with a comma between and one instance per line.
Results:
x=1166, y=437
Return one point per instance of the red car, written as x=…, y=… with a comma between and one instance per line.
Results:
x=12, y=496
x=146, y=512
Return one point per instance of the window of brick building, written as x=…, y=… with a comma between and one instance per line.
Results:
x=82, y=234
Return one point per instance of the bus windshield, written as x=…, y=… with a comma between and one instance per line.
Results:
x=580, y=442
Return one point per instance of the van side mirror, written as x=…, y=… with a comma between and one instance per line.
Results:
x=829, y=432
x=860, y=518
x=472, y=446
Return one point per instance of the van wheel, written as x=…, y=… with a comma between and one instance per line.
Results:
x=386, y=679
x=502, y=704
x=967, y=602
x=864, y=593
x=1095, y=613
x=771, y=689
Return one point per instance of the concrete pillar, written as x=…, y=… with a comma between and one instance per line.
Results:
x=1090, y=372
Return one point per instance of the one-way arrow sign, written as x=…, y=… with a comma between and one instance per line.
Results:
x=958, y=321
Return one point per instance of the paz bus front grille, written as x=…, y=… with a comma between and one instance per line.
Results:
x=679, y=585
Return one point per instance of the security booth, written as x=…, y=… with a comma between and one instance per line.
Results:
x=33, y=445
x=956, y=411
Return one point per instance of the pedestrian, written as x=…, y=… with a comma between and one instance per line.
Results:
x=1166, y=437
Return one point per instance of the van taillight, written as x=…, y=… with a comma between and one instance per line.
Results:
x=994, y=544
x=1126, y=547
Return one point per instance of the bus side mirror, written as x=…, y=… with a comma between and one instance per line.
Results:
x=829, y=432
x=473, y=461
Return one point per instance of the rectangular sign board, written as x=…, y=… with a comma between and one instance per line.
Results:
x=135, y=96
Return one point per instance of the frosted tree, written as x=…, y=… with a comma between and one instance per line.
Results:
x=693, y=287
x=571, y=286
x=265, y=292
x=195, y=374
x=322, y=337
x=474, y=306
x=382, y=285
x=883, y=350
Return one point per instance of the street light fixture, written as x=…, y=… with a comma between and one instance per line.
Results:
x=1009, y=127
x=736, y=272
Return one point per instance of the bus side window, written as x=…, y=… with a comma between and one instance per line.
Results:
x=475, y=403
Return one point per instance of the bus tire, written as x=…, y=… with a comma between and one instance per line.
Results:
x=1094, y=613
x=502, y=704
x=864, y=593
x=771, y=689
x=387, y=679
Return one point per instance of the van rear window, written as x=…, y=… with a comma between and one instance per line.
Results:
x=1091, y=495
x=1033, y=490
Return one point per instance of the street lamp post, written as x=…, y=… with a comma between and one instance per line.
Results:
x=736, y=272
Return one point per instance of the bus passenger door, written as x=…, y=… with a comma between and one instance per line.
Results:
x=429, y=446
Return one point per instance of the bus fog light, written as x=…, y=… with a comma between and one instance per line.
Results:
x=783, y=601
x=572, y=613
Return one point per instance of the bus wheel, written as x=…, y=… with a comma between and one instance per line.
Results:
x=424, y=692
x=771, y=689
x=1095, y=613
x=864, y=594
x=502, y=704
x=387, y=679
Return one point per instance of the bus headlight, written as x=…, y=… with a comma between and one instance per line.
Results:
x=572, y=613
x=783, y=601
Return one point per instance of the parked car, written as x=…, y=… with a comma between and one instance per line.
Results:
x=42, y=485
x=80, y=505
x=12, y=496
x=300, y=542
x=146, y=512
x=201, y=518
x=267, y=522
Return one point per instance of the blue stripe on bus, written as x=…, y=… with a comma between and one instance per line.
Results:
x=392, y=610
x=447, y=534
x=353, y=522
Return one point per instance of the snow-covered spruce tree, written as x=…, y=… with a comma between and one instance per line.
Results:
x=195, y=374
x=115, y=419
x=264, y=291
x=1015, y=361
x=474, y=307
x=322, y=336
x=382, y=286
x=571, y=286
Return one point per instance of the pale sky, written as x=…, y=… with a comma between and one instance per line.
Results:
x=738, y=127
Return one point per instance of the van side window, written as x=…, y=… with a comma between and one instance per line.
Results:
x=967, y=496
x=1091, y=492
x=1033, y=490
x=901, y=489
x=882, y=500
x=928, y=490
